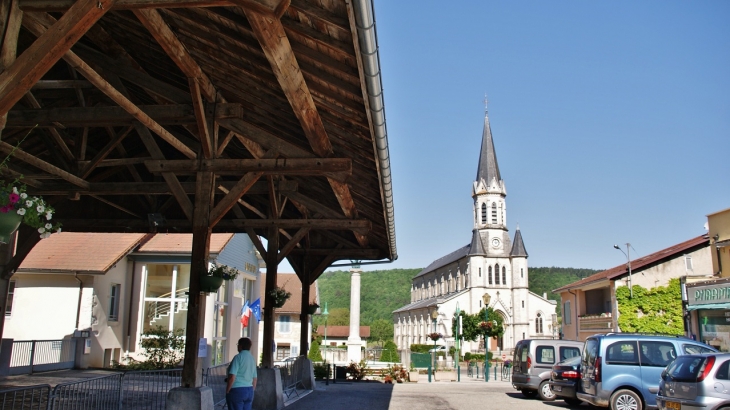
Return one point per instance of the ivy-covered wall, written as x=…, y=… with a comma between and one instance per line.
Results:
x=656, y=310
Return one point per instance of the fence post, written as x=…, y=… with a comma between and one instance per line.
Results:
x=32, y=354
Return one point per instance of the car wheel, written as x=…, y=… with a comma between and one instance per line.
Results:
x=529, y=393
x=573, y=402
x=626, y=400
x=546, y=393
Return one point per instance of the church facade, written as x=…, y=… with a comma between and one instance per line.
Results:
x=490, y=270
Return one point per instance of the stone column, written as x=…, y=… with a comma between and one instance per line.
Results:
x=354, y=342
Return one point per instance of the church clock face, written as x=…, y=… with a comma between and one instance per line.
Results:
x=495, y=242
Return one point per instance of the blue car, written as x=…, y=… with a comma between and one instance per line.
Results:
x=623, y=370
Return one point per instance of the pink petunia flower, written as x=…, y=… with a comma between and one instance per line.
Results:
x=13, y=198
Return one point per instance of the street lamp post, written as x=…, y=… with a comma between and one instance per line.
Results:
x=325, y=313
x=628, y=262
x=458, y=344
x=486, y=298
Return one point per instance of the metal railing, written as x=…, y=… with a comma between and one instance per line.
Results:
x=29, y=356
x=25, y=398
x=100, y=393
x=291, y=376
x=138, y=390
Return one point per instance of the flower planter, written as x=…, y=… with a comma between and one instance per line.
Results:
x=210, y=284
x=312, y=309
x=279, y=303
x=9, y=223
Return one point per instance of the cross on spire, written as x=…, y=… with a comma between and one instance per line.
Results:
x=486, y=103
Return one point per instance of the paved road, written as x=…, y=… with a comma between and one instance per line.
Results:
x=467, y=395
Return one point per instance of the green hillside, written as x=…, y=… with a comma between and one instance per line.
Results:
x=383, y=291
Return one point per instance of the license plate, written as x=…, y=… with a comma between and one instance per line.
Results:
x=673, y=405
x=557, y=388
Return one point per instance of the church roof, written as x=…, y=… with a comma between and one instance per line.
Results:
x=518, y=247
x=488, y=167
x=452, y=257
x=476, y=247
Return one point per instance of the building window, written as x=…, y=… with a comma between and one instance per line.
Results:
x=484, y=214
x=165, y=299
x=688, y=262
x=9, y=304
x=114, y=296
x=523, y=304
x=284, y=324
x=566, y=313
x=480, y=272
x=490, y=275
x=282, y=352
x=496, y=274
x=522, y=273
x=538, y=324
x=504, y=275
x=494, y=213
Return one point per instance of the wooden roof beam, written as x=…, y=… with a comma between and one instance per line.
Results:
x=283, y=166
x=48, y=48
x=63, y=5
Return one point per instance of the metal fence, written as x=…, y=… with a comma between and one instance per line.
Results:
x=133, y=390
x=30, y=356
x=291, y=376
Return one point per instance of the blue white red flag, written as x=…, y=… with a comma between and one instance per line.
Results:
x=256, y=309
x=245, y=314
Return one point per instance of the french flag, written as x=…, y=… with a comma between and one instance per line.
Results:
x=245, y=314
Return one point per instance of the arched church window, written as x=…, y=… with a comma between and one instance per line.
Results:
x=494, y=212
x=538, y=324
x=484, y=214
x=504, y=275
x=496, y=274
x=490, y=275
x=501, y=212
x=480, y=272
x=522, y=273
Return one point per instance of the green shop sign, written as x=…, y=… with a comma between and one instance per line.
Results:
x=709, y=294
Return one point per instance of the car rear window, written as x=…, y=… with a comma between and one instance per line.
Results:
x=722, y=371
x=568, y=352
x=694, y=349
x=545, y=355
x=685, y=368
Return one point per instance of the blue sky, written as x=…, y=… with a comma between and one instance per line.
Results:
x=611, y=122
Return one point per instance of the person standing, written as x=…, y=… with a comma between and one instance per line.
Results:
x=241, y=380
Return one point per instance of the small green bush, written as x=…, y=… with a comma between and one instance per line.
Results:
x=315, y=354
x=321, y=370
x=390, y=353
x=164, y=349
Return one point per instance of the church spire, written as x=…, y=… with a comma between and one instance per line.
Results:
x=488, y=168
x=518, y=247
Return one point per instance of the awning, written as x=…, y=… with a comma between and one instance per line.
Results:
x=709, y=306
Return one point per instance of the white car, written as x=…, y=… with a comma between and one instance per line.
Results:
x=285, y=362
x=438, y=349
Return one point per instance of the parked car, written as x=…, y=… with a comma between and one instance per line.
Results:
x=438, y=349
x=287, y=362
x=623, y=369
x=533, y=362
x=565, y=380
x=696, y=382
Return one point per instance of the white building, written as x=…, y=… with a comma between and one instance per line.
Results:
x=492, y=264
x=115, y=286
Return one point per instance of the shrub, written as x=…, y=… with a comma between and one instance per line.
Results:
x=321, y=370
x=390, y=352
x=397, y=373
x=357, y=370
x=315, y=354
x=420, y=348
x=163, y=348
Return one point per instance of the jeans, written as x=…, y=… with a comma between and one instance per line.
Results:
x=240, y=398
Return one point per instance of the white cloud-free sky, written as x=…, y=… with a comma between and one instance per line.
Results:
x=611, y=122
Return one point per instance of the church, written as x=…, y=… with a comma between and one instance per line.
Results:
x=492, y=269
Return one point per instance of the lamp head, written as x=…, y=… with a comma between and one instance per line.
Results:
x=325, y=312
x=486, y=298
x=616, y=247
x=435, y=314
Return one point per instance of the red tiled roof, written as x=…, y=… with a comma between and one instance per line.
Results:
x=342, y=331
x=78, y=251
x=639, y=263
x=291, y=283
x=182, y=243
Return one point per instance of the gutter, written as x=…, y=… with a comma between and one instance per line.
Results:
x=78, y=306
x=575, y=309
x=368, y=42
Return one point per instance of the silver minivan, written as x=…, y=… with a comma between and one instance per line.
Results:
x=533, y=361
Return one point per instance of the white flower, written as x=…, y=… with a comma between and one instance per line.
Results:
x=58, y=230
x=46, y=235
x=41, y=229
x=49, y=226
x=15, y=190
x=23, y=195
x=49, y=216
x=28, y=203
x=40, y=209
x=21, y=211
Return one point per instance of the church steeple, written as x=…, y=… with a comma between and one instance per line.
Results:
x=488, y=168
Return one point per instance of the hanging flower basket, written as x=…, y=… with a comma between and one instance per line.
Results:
x=435, y=336
x=215, y=277
x=280, y=296
x=210, y=284
x=312, y=309
x=9, y=223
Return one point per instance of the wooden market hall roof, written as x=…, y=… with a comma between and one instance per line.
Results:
x=114, y=106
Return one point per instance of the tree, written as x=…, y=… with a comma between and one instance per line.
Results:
x=339, y=317
x=381, y=330
x=390, y=353
x=314, y=353
x=475, y=326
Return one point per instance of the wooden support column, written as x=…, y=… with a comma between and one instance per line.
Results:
x=6, y=254
x=272, y=264
x=192, y=370
x=304, y=316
